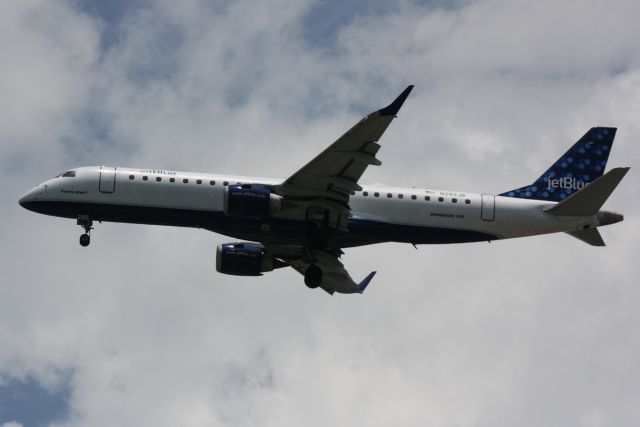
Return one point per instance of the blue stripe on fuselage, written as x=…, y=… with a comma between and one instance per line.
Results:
x=266, y=230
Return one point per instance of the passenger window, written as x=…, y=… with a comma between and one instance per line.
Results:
x=199, y=181
x=365, y=194
x=212, y=182
x=225, y=183
x=400, y=196
x=145, y=177
x=376, y=194
x=467, y=201
x=185, y=180
x=69, y=174
x=427, y=198
x=158, y=178
x=413, y=197
x=353, y=193
x=454, y=200
x=131, y=176
x=441, y=199
x=389, y=195
x=172, y=180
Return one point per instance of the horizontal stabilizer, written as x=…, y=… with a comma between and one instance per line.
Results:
x=590, y=198
x=590, y=236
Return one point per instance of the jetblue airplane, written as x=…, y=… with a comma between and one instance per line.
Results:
x=307, y=219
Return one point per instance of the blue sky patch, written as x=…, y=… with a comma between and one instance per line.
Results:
x=30, y=404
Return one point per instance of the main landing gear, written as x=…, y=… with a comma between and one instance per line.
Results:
x=313, y=276
x=85, y=222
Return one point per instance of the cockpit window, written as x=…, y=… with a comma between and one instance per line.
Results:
x=69, y=174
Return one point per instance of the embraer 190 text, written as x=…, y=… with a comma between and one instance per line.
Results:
x=306, y=220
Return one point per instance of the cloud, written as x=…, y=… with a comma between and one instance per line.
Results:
x=447, y=335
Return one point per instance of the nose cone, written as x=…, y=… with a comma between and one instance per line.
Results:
x=28, y=199
x=24, y=200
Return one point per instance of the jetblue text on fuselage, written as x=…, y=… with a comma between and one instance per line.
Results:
x=565, y=182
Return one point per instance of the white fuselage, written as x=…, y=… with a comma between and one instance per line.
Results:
x=380, y=213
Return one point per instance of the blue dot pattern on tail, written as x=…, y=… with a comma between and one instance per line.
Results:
x=583, y=163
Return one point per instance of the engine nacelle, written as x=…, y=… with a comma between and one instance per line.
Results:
x=251, y=200
x=243, y=259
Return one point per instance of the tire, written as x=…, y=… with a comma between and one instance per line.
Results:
x=85, y=240
x=313, y=276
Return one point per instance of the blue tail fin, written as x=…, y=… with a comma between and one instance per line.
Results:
x=583, y=163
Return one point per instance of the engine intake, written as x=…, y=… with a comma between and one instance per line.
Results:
x=251, y=200
x=244, y=259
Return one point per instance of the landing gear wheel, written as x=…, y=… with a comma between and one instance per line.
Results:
x=313, y=276
x=85, y=240
x=85, y=222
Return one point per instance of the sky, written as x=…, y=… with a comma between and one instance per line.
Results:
x=139, y=329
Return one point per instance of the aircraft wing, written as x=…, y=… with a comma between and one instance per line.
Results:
x=328, y=179
x=335, y=277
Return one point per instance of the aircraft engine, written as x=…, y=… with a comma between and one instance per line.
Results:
x=244, y=259
x=251, y=200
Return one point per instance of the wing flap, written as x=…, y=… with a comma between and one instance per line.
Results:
x=340, y=182
x=363, y=157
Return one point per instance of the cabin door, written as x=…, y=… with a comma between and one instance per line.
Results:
x=488, y=207
x=107, y=179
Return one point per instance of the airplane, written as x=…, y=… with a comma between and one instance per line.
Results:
x=306, y=220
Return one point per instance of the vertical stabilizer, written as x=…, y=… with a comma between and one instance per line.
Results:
x=585, y=161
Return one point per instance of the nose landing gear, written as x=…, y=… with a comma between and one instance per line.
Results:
x=85, y=222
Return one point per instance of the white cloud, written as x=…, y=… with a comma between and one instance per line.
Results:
x=526, y=332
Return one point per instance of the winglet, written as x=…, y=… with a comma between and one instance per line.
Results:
x=393, y=108
x=365, y=282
